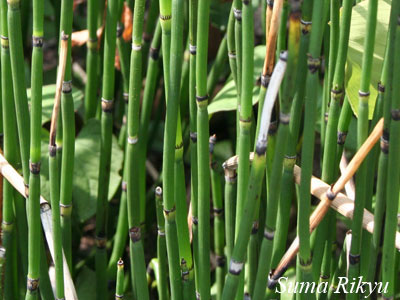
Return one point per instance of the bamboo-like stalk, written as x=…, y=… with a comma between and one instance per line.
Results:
x=304, y=262
x=9, y=226
x=218, y=210
x=152, y=74
x=105, y=147
x=393, y=175
x=294, y=127
x=119, y=290
x=277, y=164
x=54, y=173
x=255, y=181
x=149, y=31
x=203, y=192
x=35, y=153
x=383, y=102
x=162, y=286
x=18, y=81
x=362, y=134
x=91, y=60
x=193, y=135
x=66, y=140
x=230, y=208
x=138, y=269
x=341, y=269
x=245, y=91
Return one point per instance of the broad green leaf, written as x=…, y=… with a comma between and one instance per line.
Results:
x=226, y=99
x=356, y=50
x=86, y=169
x=48, y=100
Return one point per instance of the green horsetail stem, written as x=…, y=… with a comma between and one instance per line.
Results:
x=362, y=134
x=245, y=26
x=91, y=60
x=203, y=192
x=277, y=164
x=54, y=173
x=18, y=80
x=237, y=13
x=105, y=147
x=35, y=153
x=218, y=210
x=287, y=188
x=138, y=268
x=385, y=92
x=119, y=290
x=152, y=75
x=169, y=145
x=185, y=251
x=193, y=135
x=149, y=31
x=255, y=181
x=392, y=186
x=9, y=226
x=307, y=154
x=217, y=66
x=162, y=285
x=229, y=209
x=66, y=140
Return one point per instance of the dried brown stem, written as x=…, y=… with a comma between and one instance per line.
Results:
x=60, y=78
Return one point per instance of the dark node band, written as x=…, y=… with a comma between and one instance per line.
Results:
x=232, y=54
x=218, y=211
x=305, y=26
x=107, y=105
x=146, y=37
x=135, y=233
x=363, y=94
x=254, y=228
x=119, y=296
x=201, y=98
x=124, y=186
x=34, y=167
x=284, y=118
x=305, y=263
x=220, y=261
x=261, y=148
x=335, y=92
x=197, y=295
x=5, y=38
x=238, y=14
x=235, y=267
x=153, y=53
x=101, y=242
x=180, y=146
x=26, y=189
x=120, y=263
x=324, y=277
x=195, y=220
x=283, y=55
x=66, y=87
x=192, y=49
x=386, y=134
x=269, y=235
x=270, y=3
x=272, y=128
x=313, y=64
x=32, y=284
x=381, y=87
x=120, y=29
x=65, y=37
x=341, y=137
x=354, y=259
x=52, y=150
x=65, y=209
x=169, y=211
x=246, y=2
x=126, y=97
x=37, y=41
x=193, y=137
x=165, y=18
x=395, y=114
x=265, y=80
x=384, y=145
x=330, y=194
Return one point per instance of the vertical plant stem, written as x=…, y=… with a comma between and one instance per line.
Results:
x=138, y=268
x=105, y=147
x=119, y=290
x=162, y=286
x=217, y=66
x=304, y=263
x=35, y=152
x=362, y=134
x=203, y=192
x=91, y=60
x=67, y=141
x=392, y=187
